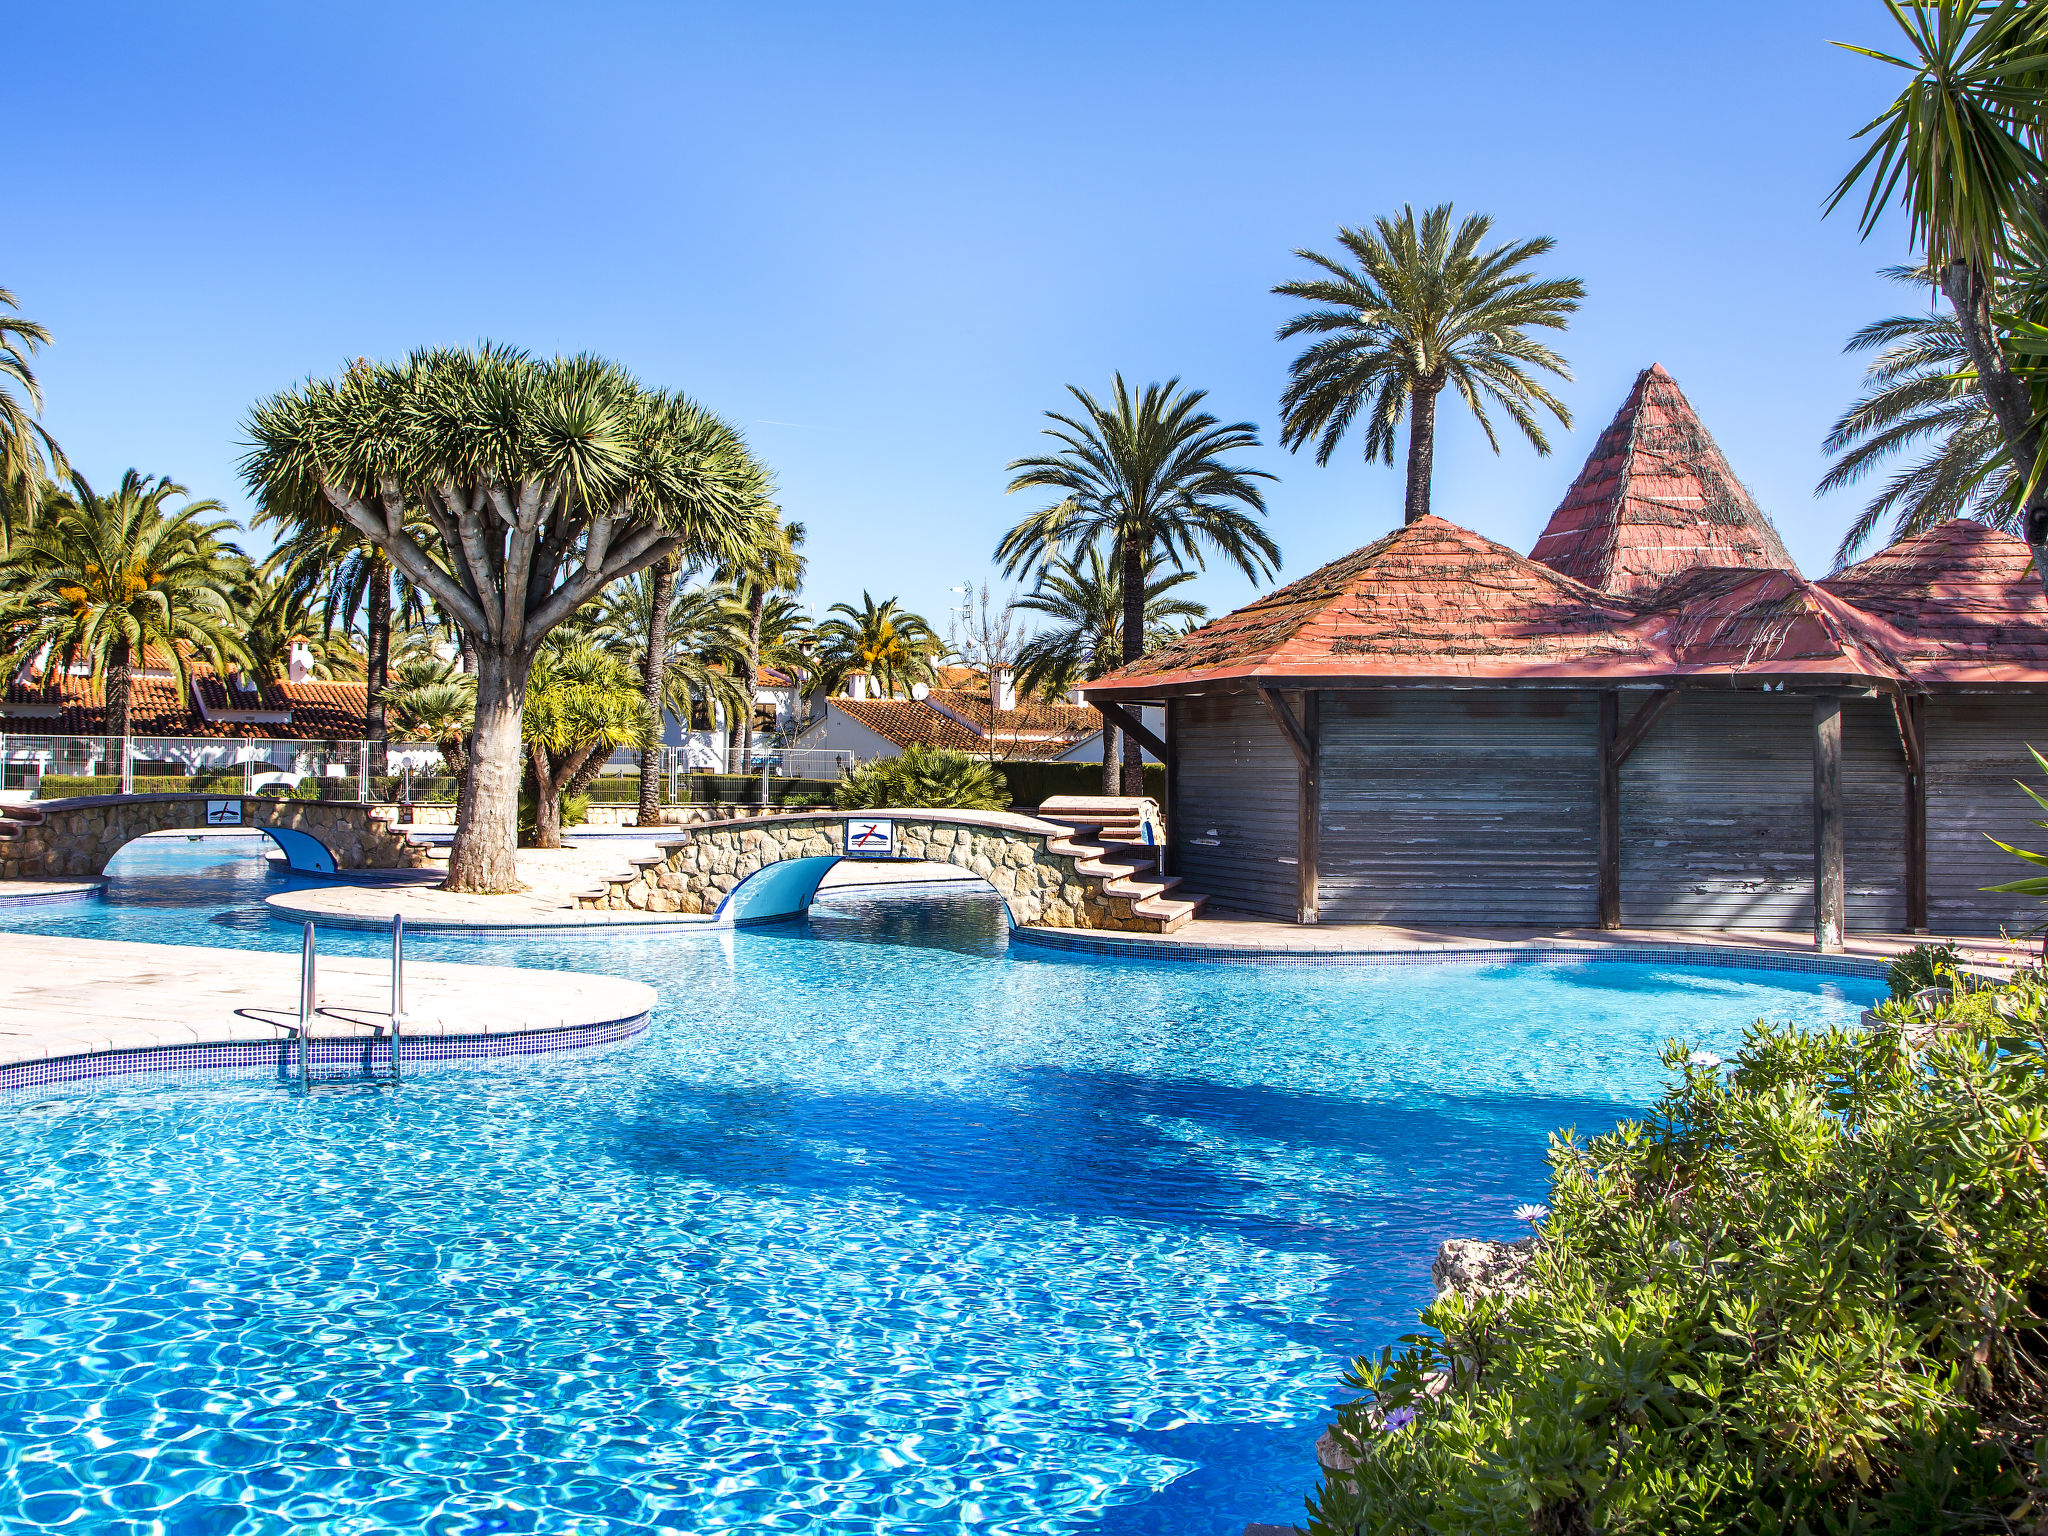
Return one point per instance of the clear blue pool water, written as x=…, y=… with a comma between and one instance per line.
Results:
x=886, y=1226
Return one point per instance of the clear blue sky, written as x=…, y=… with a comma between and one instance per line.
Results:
x=882, y=238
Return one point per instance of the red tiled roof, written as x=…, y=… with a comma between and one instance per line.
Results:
x=1430, y=600
x=1032, y=731
x=1961, y=603
x=319, y=711
x=1656, y=497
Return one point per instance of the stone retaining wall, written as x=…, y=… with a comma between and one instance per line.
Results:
x=78, y=837
x=1040, y=874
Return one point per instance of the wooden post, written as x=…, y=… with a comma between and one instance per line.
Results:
x=1610, y=810
x=1916, y=816
x=1307, y=840
x=1828, y=883
x=1168, y=860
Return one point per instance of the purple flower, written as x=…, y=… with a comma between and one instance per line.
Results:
x=1398, y=1418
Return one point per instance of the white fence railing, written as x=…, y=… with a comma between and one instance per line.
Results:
x=341, y=769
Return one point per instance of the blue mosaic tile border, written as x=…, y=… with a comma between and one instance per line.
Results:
x=1652, y=954
x=276, y=1058
x=10, y=900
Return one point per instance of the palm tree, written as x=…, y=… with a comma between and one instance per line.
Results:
x=1959, y=150
x=770, y=567
x=429, y=699
x=1084, y=597
x=322, y=554
x=1144, y=475
x=582, y=704
x=102, y=578
x=29, y=457
x=894, y=647
x=544, y=482
x=1421, y=309
x=277, y=616
x=1918, y=391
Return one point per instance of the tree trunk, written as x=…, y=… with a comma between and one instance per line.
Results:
x=547, y=800
x=1133, y=647
x=1110, y=773
x=1421, y=452
x=484, y=857
x=661, y=581
x=2006, y=394
x=377, y=623
x=120, y=706
x=757, y=600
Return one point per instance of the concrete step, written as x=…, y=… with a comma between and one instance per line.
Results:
x=1168, y=912
x=1141, y=884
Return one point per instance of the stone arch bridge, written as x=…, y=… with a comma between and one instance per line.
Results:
x=1081, y=863
x=56, y=839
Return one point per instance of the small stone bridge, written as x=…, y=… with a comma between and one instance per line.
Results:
x=1080, y=863
x=53, y=839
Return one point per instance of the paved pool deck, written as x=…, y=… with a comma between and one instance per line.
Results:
x=67, y=1002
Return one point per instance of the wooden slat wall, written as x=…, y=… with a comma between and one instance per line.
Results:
x=1717, y=816
x=1976, y=747
x=1235, y=821
x=1874, y=816
x=1459, y=807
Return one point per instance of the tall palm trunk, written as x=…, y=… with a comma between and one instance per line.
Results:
x=120, y=701
x=1421, y=451
x=377, y=621
x=2005, y=393
x=661, y=584
x=757, y=601
x=1133, y=648
x=1111, y=771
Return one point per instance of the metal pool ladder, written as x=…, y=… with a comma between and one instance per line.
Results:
x=307, y=1078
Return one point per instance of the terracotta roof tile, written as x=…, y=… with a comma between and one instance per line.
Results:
x=1656, y=497
x=1034, y=731
x=1961, y=602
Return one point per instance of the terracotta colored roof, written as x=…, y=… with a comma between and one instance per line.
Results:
x=1030, y=717
x=319, y=711
x=1741, y=621
x=1961, y=604
x=1430, y=600
x=1656, y=497
x=1019, y=733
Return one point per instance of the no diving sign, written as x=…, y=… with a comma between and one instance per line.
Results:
x=871, y=839
x=223, y=813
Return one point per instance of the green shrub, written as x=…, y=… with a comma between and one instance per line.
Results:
x=575, y=812
x=924, y=777
x=1032, y=784
x=1922, y=966
x=1803, y=1296
x=63, y=786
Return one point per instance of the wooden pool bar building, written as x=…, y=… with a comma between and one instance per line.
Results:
x=1651, y=720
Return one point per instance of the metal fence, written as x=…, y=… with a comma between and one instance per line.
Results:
x=343, y=769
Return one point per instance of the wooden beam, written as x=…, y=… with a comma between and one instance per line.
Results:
x=1610, y=808
x=1309, y=810
x=1627, y=739
x=1132, y=724
x=1828, y=882
x=1169, y=861
x=1289, y=726
x=1912, y=717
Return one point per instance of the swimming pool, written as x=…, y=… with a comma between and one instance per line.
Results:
x=885, y=1225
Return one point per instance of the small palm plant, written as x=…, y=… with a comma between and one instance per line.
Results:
x=582, y=704
x=924, y=778
x=1420, y=308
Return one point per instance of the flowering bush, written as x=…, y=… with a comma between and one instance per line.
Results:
x=1805, y=1294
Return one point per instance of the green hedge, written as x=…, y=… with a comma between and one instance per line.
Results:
x=63, y=786
x=1033, y=784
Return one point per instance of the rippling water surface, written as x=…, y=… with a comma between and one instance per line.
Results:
x=886, y=1226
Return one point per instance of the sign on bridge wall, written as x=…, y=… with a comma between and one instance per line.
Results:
x=871, y=839
x=223, y=813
